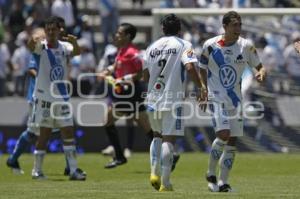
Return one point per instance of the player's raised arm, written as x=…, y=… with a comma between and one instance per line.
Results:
x=37, y=36
x=73, y=40
x=31, y=44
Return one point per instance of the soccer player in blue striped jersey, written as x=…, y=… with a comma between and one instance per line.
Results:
x=223, y=61
x=51, y=107
x=28, y=137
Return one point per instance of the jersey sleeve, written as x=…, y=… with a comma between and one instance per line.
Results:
x=145, y=60
x=253, y=58
x=204, y=57
x=189, y=55
x=32, y=63
x=68, y=48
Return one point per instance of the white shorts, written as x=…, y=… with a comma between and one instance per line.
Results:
x=227, y=119
x=57, y=117
x=167, y=122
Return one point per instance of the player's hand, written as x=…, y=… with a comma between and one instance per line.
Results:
x=70, y=38
x=261, y=75
x=202, y=98
x=297, y=46
x=32, y=43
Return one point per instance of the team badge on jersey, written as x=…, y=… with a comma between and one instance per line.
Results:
x=159, y=84
x=190, y=53
x=56, y=73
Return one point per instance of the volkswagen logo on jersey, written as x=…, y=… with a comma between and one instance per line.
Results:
x=56, y=73
x=227, y=76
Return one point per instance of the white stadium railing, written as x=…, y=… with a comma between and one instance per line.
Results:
x=159, y=12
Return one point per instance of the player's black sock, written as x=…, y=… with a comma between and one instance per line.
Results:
x=113, y=137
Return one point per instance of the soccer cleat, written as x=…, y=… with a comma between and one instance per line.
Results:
x=115, y=163
x=175, y=160
x=15, y=167
x=212, y=183
x=165, y=188
x=38, y=175
x=67, y=171
x=78, y=175
x=109, y=151
x=155, y=181
x=225, y=188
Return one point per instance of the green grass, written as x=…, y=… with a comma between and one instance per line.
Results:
x=253, y=176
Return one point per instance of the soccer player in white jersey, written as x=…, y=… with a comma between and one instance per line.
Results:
x=165, y=64
x=223, y=61
x=50, y=93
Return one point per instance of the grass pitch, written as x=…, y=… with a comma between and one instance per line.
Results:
x=253, y=176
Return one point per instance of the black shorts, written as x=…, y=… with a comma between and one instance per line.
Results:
x=129, y=99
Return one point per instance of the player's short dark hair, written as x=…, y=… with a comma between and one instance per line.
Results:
x=129, y=29
x=171, y=24
x=52, y=20
x=60, y=20
x=229, y=16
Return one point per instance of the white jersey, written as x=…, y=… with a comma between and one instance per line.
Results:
x=225, y=66
x=165, y=60
x=52, y=69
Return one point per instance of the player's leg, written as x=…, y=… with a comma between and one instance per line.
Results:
x=172, y=127
x=214, y=157
x=25, y=140
x=228, y=156
x=167, y=151
x=155, y=147
x=112, y=134
x=67, y=134
x=221, y=127
x=40, y=151
x=143, y=121
x=226, y=163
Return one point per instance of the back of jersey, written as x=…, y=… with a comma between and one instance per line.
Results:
x=165, y=60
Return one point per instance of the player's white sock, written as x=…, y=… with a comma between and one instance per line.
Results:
x=214, y=156
x=167, y=160
x=226, y=162
x=155, y=156
x=38, y=160
x=70, y=153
